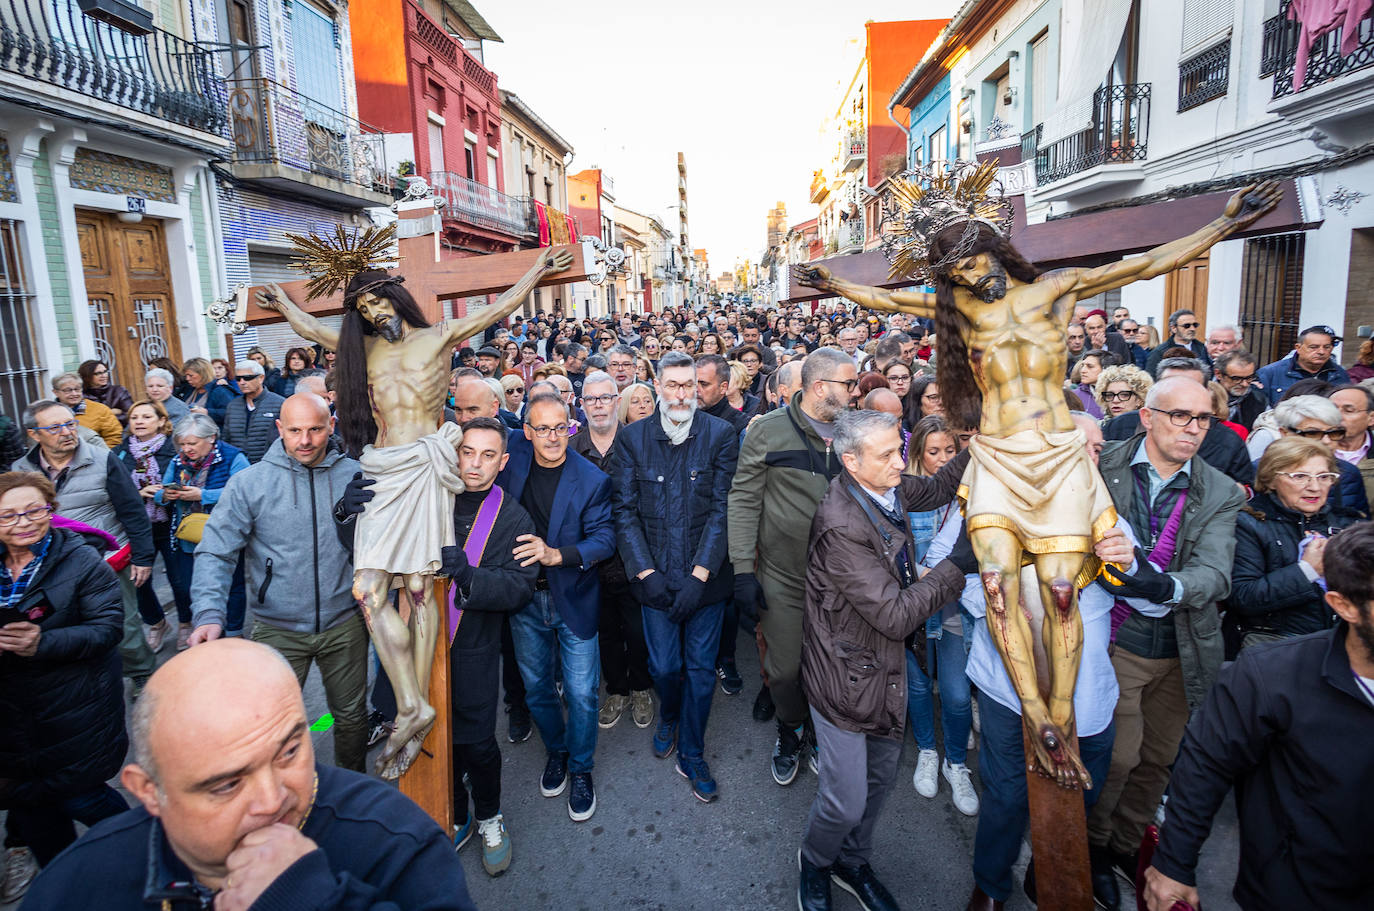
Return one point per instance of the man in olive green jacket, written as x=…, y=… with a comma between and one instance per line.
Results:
x=1168, y=649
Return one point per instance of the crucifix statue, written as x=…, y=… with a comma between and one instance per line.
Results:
x=1031, y=495
x=392, y=371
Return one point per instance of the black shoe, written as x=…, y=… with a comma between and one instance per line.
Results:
x=786, y=754
x=730, y=681
x=378, y=728
x=519, y=730
x=1125, y=865
x=1106, y=891
x=763, y=705
x=863, y=885
x=582, y=800
x=813, y=887
x=555, y=777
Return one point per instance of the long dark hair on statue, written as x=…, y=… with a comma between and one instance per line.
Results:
x=959, y=393
x=354, y=404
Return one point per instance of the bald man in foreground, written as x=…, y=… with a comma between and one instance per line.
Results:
x=236, y=813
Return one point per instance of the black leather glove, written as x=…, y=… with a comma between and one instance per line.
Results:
x=962, y=555
x=356, y=496
x=1148, y=582
x=748, y=595
x=687, y=600
x=652, y=591
x=456, y=565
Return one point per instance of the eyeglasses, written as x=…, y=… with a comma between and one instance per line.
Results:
x=751, y=362
x=899, y=377
x=1330, y=433
x=620, y=365
x=1247, y=380
x=1118, y=396
x=607, y=338
x=58, y=428
x=1184, y=418
x=100, y=371
x=931, y=396
x=544, y=433
x=1301, y=478
x=1125, y=331
x=248, y=378
x=671, y=387
x=600, y=399
x=851, y=385
x=1187, y=325
x=515, y=389
x=36, y=514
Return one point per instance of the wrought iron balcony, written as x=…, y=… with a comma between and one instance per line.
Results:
x=850, y=235
x=157, y=74
x=855, y=149
x=1118, y=134
x=485, y=207
x=310, y=143
x=1324, y=58
x=1204, y=76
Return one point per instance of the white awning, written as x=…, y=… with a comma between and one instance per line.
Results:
x=1089, y=35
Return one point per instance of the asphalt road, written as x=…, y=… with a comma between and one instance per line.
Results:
x=652, y=845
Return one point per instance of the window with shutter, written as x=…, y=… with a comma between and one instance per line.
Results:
x=1204, y=20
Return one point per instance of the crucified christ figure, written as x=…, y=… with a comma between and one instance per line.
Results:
x=393, y=370
x=1031, y=494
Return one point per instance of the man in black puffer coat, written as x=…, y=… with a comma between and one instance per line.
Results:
x=62, y=729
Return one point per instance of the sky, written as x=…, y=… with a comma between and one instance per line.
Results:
x=742, y=87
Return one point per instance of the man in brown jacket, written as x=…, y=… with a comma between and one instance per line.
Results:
x=865, y=594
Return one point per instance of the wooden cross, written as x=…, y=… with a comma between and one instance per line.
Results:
x=430, y=279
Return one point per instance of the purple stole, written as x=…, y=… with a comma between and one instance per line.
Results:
x=474, y=547
x=1161, y=556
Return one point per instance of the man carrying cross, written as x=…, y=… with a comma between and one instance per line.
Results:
x=392, y=373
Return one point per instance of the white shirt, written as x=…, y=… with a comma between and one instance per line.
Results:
x=1095, y=695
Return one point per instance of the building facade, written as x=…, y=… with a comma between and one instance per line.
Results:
x=536, y=160
x=107, y=199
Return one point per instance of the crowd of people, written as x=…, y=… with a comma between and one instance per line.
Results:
x=641, y=493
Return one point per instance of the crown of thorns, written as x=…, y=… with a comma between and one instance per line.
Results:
x=920, y=203
x=333, y=261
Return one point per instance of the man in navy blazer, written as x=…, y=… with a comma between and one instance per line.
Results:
x=569, y=500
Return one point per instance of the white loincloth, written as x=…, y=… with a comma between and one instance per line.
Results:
x=410, y=518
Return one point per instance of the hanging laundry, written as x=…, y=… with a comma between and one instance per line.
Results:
x=1319, y=17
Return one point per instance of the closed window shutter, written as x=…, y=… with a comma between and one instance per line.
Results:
x=1204, y=20
x=1044, y=79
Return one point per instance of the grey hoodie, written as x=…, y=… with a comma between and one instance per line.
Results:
x=279, y=515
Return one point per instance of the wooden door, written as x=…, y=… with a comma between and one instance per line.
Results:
x=129, y=291
x=1185, y=288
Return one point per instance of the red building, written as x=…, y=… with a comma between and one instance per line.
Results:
x=419, y=72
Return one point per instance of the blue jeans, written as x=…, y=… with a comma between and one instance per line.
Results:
x=956, y=707
x=47, y=828
x=671, y=647
x=148, y=605
x=538, y=631
x=1004, y=811
x=181, y=589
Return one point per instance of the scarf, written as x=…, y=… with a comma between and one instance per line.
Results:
x=146, y=471
x=677, y=433
x=12, y=590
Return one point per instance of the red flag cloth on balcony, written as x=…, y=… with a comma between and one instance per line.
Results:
x=572, y=230
x=1317, y=18
x=541, y=212
x=559, y=229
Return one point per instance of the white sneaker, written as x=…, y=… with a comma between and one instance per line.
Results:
x=927, y=767
x=964, y=797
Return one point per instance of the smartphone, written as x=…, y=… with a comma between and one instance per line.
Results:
x=174, y=486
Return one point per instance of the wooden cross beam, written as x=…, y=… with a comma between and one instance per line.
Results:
x=430, y=279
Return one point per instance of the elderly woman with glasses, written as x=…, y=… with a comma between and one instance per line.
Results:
x=95, y=378
x=69, y=389
x=1316, y=418
x=1276, y=580
x=192, y=484
x=1121, y=388
x=62, y=732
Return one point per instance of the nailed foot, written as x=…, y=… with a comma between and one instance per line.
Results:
x=1053, y=757
x=403, y=746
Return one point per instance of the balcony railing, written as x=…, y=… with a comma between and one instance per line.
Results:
x=485, y=207
x=277, y=125
x=450, y=50
x=855, y=147
x=157, y=74
x=1204, y=76
x=1324, y=59
x=851, y=234
x=1118, y=134
x=1276, y=38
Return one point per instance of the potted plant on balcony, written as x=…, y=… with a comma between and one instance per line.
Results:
x=121, y=14
x=405, y=169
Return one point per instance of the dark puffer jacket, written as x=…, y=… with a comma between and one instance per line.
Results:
x=62, y=710
x=670, y=501
x=1269, y=592
x=252, y=432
